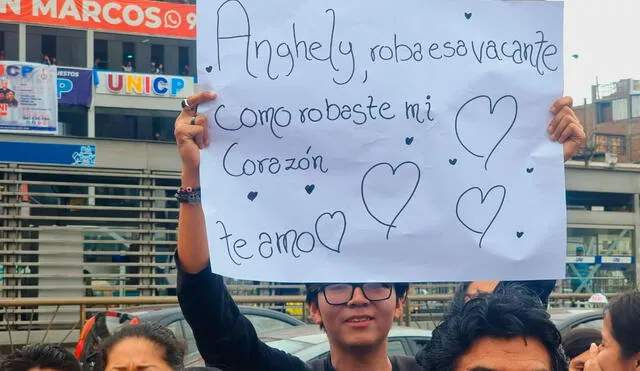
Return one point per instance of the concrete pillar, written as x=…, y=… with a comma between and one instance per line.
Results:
x=22, y=42
x=90, y=51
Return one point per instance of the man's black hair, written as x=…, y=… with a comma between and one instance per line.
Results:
x=314, y=288
x=625, y=322
x=173, y=350
x=579, y=340
x=40, y=356
x=511, y=312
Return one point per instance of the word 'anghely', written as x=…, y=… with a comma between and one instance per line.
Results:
x=275, y=59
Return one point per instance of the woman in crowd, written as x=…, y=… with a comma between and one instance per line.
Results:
x=142, y=346
x=576, y=344
x=620, y=349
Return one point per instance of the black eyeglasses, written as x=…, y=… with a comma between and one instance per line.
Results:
x=342, y=293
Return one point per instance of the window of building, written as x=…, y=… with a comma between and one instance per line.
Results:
x=128, y=56
x=611, y=143
x=157, y=58
x=183, y=60
x=600, y=260
x=72, y=121
x=135, y=124
x=48, y=48
x=620, y=109
x=100, y=53
x=599, y=201
x=603, y=112
x=635, y=106
x=2, y=46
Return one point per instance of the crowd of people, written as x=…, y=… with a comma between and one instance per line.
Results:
x=495, y=325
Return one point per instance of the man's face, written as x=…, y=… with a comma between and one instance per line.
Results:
x=494, y=354
x=11, y=96
x=358, y=323
x=5, y=84
x=610, y=355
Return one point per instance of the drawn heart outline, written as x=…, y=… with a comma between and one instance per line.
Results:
x=252, y=195
x=209, y=69
x=483, y=198
x=467, y=15
x=519, y=234
x=529, y=170
x=453, y=161
x=344, y=229
x=492, y=108
x=408, y=140
x=393, y=172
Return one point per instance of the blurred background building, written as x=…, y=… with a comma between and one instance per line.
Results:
x=90, y=211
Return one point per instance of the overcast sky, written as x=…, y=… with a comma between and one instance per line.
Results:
x=606, y=36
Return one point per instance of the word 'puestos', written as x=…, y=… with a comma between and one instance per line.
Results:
x=328, y=232
x=277, y=59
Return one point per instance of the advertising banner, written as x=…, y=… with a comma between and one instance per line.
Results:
x=48, y=153
x=28, y=99
x=126, y=16
x=139, y=84
x=74, y=86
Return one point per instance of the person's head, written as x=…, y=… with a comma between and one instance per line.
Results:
x=40, y=357
x=153, y=63
x=142, y=346
x=505, y=330
x=578, y=341
x=356, y=315
x=580, y=251
x=11, y=96
x=620, y=349
x=4, y=84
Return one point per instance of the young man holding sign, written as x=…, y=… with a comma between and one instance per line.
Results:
x=356, y=317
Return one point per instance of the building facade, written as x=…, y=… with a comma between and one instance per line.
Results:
x=612, y=122
x=90, y=211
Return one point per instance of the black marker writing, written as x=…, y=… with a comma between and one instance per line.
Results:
x=537, y=53
x=237, y=245
x=266, y=57
x=328, y=231
x=271, y=165
x=412, y=111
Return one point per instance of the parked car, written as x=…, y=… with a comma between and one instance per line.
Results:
x=566, y=319
x=103, y=324
x=309, y=342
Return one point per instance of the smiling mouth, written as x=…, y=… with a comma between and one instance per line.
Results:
x=359, y=319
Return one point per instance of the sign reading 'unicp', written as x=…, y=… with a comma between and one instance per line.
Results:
x=144, y=85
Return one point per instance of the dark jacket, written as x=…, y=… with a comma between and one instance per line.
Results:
x=227, y=340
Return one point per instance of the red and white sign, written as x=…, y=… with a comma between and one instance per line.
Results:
x=127, y=16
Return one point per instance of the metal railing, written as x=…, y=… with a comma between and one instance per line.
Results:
x=66, y=316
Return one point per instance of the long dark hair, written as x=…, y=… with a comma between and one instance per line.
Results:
x=624, y=313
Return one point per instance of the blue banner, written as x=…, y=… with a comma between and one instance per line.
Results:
x=48, y=153
x=74, y=86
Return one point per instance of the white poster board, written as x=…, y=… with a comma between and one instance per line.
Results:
x=382, y=141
